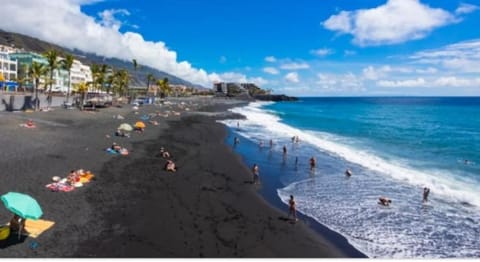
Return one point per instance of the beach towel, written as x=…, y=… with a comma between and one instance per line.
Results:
x=59, y=187
x=34, y=228
x=122, y=152
x=112, y=151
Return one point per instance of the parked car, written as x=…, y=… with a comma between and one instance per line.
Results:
x=140, y=100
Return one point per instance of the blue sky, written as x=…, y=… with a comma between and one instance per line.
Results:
x=302, y=47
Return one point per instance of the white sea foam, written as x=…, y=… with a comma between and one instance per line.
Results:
x=442, y=228
x=261, y=124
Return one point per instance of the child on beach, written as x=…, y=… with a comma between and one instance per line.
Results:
x=292, y=209
x=256, y=174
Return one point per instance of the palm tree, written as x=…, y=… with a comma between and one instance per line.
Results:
x=102, y=72
x=135, y=64
x=121, y=82
x=82, y=88
x=164, y=87
x=51, y=56
x=36, y=71
x=150, y=79
x=67, y=64
x=23, y=76
x=95, y=70
x=110, y=80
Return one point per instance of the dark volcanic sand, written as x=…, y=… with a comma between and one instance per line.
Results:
x=207, y=208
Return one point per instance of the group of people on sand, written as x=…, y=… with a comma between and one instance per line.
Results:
x=169, y=165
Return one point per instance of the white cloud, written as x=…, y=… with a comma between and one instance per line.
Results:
x=292, y=77
x=237, y=78
x=466, y=8
x=372, y=73
x=259, y=81
x=62, y=22
x=419, y=82
x=270, y=70
x=462, y=57
x=109, y=20
x=322, y=52
x=448, y=81
x=294, y=66
x=348, y=82
x=457, y=82
x=396, y=21
x=429, y=70
x=270, y=59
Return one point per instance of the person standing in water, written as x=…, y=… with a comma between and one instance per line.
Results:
x=426, y=192
x=313, y=163
x=256, y=174
x=292, y=209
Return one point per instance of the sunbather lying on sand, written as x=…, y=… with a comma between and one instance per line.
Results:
x=121, y=133
x=165, y=154
x=170, y=166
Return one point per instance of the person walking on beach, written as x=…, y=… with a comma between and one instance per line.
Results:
x=426, y=192
x=256, y=174
x=292, y=209
x=313, y=163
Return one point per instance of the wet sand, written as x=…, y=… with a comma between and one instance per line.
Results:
x=134, y=208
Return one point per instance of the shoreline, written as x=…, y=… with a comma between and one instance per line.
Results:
x=268, y=191
x=134, y=208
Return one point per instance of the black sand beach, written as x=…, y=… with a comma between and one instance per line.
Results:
x=134, y=208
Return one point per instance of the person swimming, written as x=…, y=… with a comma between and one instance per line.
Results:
x=384, y=201
x=348, y=173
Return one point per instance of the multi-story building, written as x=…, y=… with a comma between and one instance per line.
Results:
x=8, y=71
x=25, y=61
x=8, y=67
x=223, y=88
x=80, y=73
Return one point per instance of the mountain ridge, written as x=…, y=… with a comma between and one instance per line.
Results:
x=139, y=76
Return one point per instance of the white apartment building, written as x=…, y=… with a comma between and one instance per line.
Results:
x=79, y=73
x=8, y=67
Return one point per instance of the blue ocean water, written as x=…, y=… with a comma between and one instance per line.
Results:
x=394, y=146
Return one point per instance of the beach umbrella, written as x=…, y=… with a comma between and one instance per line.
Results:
x=140, y=124
x=23, y=205
x=125, y=127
